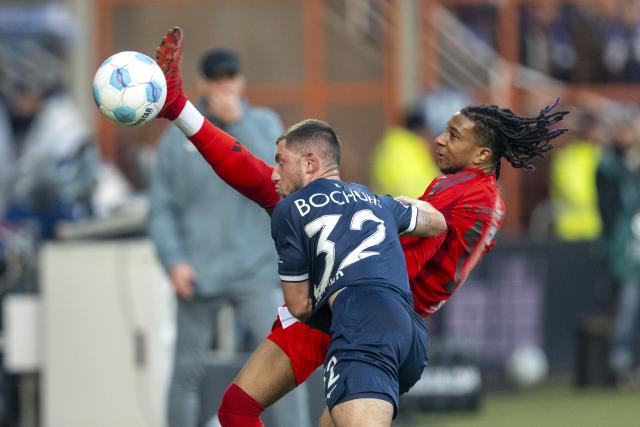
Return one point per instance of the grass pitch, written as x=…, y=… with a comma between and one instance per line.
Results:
x=550, y=405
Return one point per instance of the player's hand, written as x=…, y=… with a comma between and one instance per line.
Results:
x=182, y=276
x=169, y=58
x=405, y=200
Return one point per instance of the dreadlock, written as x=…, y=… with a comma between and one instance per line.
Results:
x=517, y=139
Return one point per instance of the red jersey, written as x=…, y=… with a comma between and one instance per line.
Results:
x=473, y=208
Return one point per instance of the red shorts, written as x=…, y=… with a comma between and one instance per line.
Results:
x=305, y=347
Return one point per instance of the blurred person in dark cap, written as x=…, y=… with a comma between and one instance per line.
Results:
x=221, y=85
x=213, y=243
x=220, y=62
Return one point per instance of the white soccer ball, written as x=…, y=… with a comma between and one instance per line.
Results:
x=129, y=88
x=527, y=366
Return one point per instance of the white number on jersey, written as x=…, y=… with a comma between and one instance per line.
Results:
x=327, y=223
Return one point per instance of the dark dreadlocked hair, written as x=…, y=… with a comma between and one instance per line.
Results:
x=517, y=139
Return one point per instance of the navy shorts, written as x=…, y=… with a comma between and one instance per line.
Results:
x=378, y=346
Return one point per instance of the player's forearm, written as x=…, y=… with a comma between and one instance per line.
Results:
x=430, y=222
x=233, y=162
x=296, y=297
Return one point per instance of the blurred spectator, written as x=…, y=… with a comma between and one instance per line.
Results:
x=48, y=167
x=213, y=242
x=586, y=41
x=480, y=19
x=573, y=182
x=48, y=162
x=402, y=162
x=547, y=42
x=621, y=33
x=618, y=182
x=585, y=26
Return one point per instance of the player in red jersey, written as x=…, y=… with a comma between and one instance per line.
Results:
x=468, y=153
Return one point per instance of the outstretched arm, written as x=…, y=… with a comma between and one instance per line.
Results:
x=430, y=222
x=232, y=161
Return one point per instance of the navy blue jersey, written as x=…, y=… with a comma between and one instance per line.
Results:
x=337, y=234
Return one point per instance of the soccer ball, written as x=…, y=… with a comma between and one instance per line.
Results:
x=527, y=366
x=129, y=89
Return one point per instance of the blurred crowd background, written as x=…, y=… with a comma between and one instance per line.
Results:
x=79, y=282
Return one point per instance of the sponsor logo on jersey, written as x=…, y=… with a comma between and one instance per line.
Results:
x=319, y=200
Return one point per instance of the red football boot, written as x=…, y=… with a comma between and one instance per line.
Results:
x=169, y=57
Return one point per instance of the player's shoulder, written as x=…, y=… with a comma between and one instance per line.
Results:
x=298, y=199
x=282, y=216
x=283, y=206
x=355, y=186
x=365, y=194
x=466, y=181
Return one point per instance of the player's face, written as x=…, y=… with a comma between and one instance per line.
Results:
x=457, y=147
x=288, y=172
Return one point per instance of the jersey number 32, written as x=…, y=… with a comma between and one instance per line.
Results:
x=325, y=225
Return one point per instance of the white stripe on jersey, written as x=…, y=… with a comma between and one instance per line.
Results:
x=294, y=278
x=413, y=222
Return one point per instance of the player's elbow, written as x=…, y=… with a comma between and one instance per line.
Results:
x=296, y=296
x=438, y=224
x=429, y=224
x=300, y=309
x=430, y=221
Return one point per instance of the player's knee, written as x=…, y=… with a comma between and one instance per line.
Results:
x=238, y=409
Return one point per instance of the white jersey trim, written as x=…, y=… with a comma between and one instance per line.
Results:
x=190, y=120
x=299, y=278
x=414, y=220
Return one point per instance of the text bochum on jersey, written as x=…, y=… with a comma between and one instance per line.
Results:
x=338, y=234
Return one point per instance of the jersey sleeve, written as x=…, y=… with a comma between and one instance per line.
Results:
x=406, y=215
x=292, y=265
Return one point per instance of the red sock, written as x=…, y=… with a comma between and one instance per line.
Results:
x=238, y=409
x=236, y=165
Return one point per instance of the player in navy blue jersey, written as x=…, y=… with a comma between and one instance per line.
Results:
x=345, y=222
x=343, y=271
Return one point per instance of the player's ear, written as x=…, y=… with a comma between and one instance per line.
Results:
x=311, y=163
x=483, y=155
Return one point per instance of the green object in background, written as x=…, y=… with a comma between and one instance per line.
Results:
x=573, y=191
x=402, y=164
